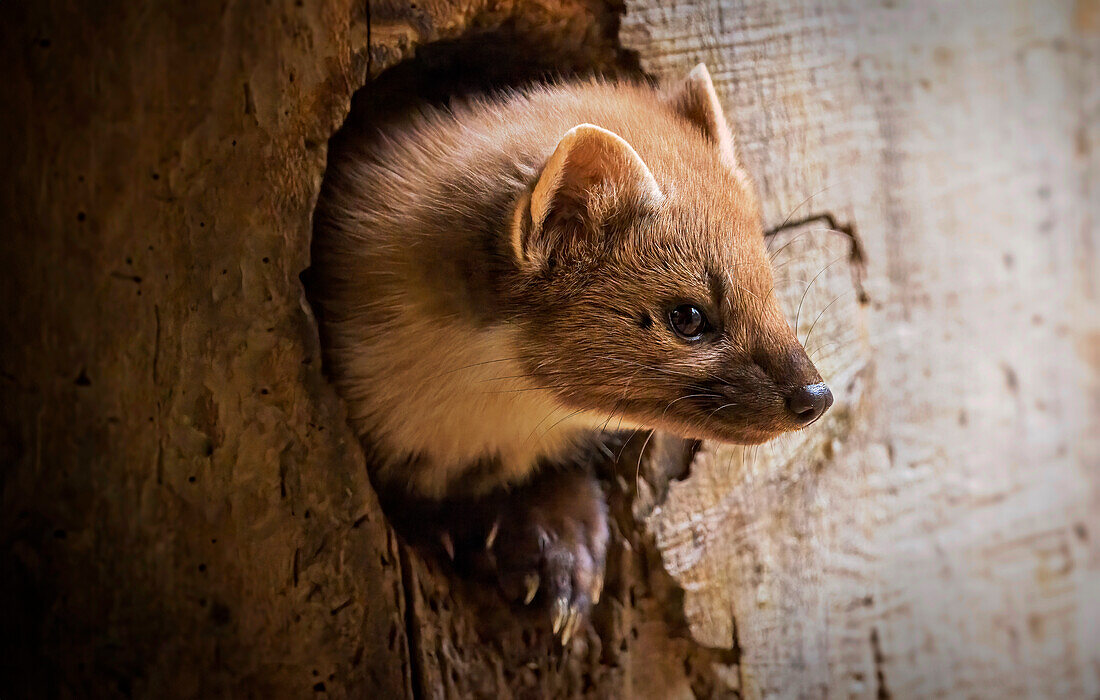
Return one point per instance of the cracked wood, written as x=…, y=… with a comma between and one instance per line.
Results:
x=946, y=510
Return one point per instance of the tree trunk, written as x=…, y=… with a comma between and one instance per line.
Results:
x=186, y=513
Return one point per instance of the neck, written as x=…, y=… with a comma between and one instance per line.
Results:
x=457, y=398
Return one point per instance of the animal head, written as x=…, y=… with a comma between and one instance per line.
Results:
x=645, y=288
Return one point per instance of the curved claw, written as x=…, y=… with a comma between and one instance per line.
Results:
x=559, y=614
x=491, y=538
x=543, y=538
x=448, y=544
x=531, y=581
x=597, y=589
x=570, y=625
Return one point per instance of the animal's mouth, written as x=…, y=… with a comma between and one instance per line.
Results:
x=749, y=419
x=694, y=423
x=757, y=418
x=727, y=433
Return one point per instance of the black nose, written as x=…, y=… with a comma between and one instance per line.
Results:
x=808, y=403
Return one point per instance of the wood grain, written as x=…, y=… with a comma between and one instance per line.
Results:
x=936, y=534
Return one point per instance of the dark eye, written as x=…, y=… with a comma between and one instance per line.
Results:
x=688, y=321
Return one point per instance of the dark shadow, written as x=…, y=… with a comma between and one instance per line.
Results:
x=486, y=62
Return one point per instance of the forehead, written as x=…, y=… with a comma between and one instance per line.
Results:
x=703, y=242
x=692, y=258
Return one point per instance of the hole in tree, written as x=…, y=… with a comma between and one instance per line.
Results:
x=517, y=53
x=512, y=56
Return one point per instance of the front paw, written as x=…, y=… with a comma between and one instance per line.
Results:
x=549, y=547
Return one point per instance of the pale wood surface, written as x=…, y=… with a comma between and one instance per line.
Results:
x=937, y=534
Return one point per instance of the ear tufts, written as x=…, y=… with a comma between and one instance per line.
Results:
x=696, y=100
x=592, y=174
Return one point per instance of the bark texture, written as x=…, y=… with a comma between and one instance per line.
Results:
x=185, y=513
x=183, y=510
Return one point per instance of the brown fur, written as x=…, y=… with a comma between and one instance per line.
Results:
x=494, y=281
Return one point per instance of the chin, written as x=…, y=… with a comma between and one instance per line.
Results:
x=728, y=434
x=696, y=428
x=738, y=436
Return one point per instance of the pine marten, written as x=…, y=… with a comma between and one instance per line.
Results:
x=499, y=282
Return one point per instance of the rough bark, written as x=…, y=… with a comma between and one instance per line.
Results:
x=183, y=511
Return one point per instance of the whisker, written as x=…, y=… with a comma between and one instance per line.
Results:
x=823, y=347
x=642, y=365
x=609, y=358
x=773, y=255
x=625, y=443
x=558, y=422
x=689, y=396
x=535, y=429
x=801, y=204
x=786, y=221
x=729, y=462
x=563, y=380
x=641, y=457
x=471, y=366
x=807, y=291
x=664, y=370
x=711, y=414
x=622, y=397
x=559, y=387
x=807, y=338
x=825, y=229
x=614, y=411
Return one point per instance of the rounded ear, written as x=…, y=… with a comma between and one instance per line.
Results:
x=592, y=174
x=694, y=99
